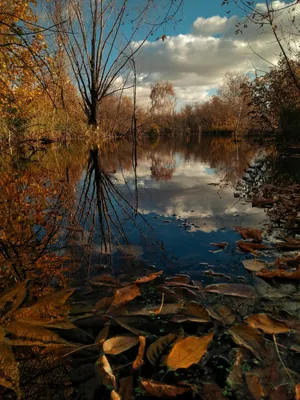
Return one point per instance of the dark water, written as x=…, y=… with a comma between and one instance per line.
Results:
x=163, y=205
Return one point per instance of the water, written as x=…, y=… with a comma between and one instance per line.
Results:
x=165, y=209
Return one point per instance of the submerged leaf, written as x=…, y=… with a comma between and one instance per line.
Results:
x=104, y=373
x=232, y=289
x=254, y=265
x=149, y=278
x=119, y=344
x=157, y=349
x=267, y=324
x=188, y=351
x=158, y=389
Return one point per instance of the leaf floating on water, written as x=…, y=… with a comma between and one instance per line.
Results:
x=139, y=361
x=149, y=278
x=250, y=233
x=222, y=245
x=233, y=289
x=196, y=310
x=180, y=278
x=104, y=373
x=125, y=295
x=158, y=389
x=254, y=265
x=262, y=202
x=119, y=344
x=279, y=273
x=157, y=349
x=250, y=338
x=188, y=351
x=267, y=324
x=251, y=247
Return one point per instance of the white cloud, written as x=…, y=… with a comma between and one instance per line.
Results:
x=197, y=62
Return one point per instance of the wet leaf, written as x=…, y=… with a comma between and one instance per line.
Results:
x=104, y=303
x=180, y=279
x=102, y=335
x=104, y=373
x=188, y=351
x=279, y=273
x=288, y=244
x=250, y=233
x=125, y=295
x=262, y=202
x=11, y=299
x=126, y=388
x=251, y=247
x=119, y=344
x=222, y=245
x=196, y=310
x=254, y=265
x=221, y=313
x=158, y=389
x=148, y=278
x=233, y=289
x=157, y=349
x=250, y=338
x=9, y=369
x=267, y=324
x=139, y=361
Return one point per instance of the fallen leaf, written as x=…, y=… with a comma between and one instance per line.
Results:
x=102, y=335
x=280, y=392
x=104, y=373
x=126, y=388
x=11, y=299
x=196, y=310
x=256, y=387
x=104, y=303
x=115, y=396
x=233, y=289
x=180, y=279
x=157, y=349
x=279, y=273
x=125, y=295
x=261, y=202
x=211, y=391
x=221, y=313
x=9, y=368
x=254, y=265
x=222, y=245
x=250, y=233
x=297, y=390
x=250, y=338
x=119, y=344
x=148, y=278
x=251, y=247
x=158, y=389
x=288, y=244
x=139, y=361
x=126, y=322
x=266, y=324
x=188, y=351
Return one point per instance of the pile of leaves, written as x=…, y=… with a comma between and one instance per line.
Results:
x=152, y=337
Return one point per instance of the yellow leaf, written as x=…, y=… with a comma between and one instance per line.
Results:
x=139, y=361
x=104, y=374
x=188, y=351
x=119, y=344
x=267, y=324
x=158, y=389
x=125, y=295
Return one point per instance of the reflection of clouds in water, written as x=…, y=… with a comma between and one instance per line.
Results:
x=191, y=198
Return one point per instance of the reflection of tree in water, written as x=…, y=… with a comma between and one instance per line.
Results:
x=162, y=168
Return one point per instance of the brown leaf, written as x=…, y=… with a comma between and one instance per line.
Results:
x=104, y=303
x=157, y=349
x=279, y=273
x=254, y=265
x=188, y=351
x=125, y=295
x=211, y=391
x=119, y=344
x=102, y=335
x=196, y=310
x=180, y=279
x=261, y=202
x=149, y=278
x=126, y=322
x=297, y=390
x=11, y=299
x=222, y=245
x=289, y=244
x=9, y=368
x=233, y=289
x=279, y=392
x=104, y=373
x=250, y=338
x=126, y=388
x=114, y=395
x=250, y=233
x=267, y=324
x=256, y=387
x=251, y=247
x=158, y=389
x=221, y=313
x=139, y=361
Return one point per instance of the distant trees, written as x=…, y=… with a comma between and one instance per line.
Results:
x=102, y=38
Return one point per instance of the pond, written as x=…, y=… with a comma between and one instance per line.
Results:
x=173, y=204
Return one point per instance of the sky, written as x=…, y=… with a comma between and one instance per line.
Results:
x=203, y=47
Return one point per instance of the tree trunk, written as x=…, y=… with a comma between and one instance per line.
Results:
x=93, y=114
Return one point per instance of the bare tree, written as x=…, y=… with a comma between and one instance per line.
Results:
x=101, y=37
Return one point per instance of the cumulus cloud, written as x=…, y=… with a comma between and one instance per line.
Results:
x=197, y=62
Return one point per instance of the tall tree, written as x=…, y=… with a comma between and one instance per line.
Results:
x=102, y=38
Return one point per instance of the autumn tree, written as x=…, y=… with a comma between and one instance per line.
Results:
x=102, y=39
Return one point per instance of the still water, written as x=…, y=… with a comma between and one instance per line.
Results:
x=163, y=205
